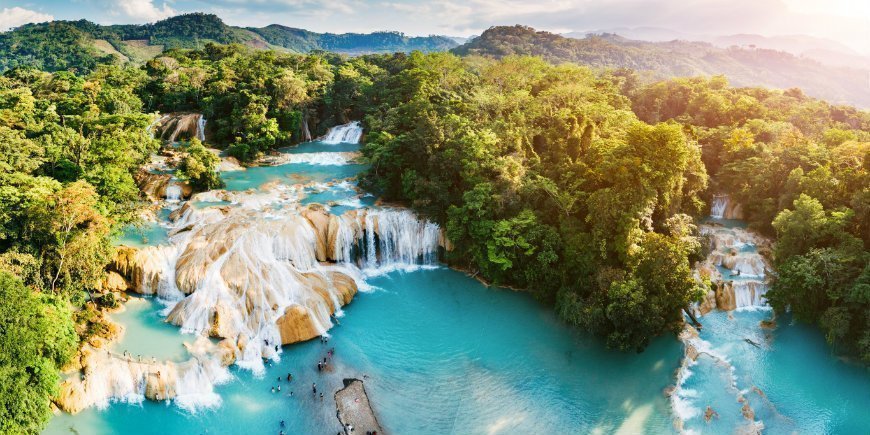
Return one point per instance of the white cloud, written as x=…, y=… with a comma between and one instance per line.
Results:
x=14, y=17
x=143, y=10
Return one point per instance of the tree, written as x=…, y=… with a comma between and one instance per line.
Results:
x=199, y=165
x=72, y=237
x=37, y=338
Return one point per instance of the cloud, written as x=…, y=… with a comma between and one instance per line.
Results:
x=14, y=17
x=142, y=10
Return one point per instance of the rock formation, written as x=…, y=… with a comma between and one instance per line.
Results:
x=179, y=126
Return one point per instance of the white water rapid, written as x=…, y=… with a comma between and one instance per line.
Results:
x=264, y=271
x=738, y=275
x=346, y=133
x=200, y=128
x=173, y=192
x=718, y=206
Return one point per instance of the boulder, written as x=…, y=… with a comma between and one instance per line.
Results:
x=160, y=382
x=228, y=352
x=152, y=185
x=708, y=303
x=296, y=325
x=319, y=218
x=114, y=282
x=71, y=398
x=222, y=324
x=725, y=298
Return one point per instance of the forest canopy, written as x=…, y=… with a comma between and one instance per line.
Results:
x=583, y=186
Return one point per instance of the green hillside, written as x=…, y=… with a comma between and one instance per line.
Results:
x=743, y=67
x=81, y=45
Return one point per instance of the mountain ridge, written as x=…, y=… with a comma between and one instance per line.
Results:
x=81, y=44
x=661, y=60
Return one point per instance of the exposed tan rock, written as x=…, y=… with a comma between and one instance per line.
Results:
x=160, y=383
x=152, y=185
x=296, y=325
x=345, y=286
x=734, y=210
x=725, y=298
x=72, y=397
x=114, y=282
x=229, y=164
x=228, y=352
x=222, y=324
x=354, y=409
x=319, y=218
x=178, y=126
x=708, y=303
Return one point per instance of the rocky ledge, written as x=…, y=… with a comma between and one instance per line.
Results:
x=354, y=411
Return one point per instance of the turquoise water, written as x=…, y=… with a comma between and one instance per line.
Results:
x=441, y=353
x=146, y=333
x=147, y=233
x=800, y=385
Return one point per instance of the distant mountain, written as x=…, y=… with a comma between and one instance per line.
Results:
x=351, y=43
x=60, y=45
x=742, y=66
x=823, y=50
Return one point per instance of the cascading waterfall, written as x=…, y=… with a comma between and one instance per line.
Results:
x=320, y=159
x=738, y=272
x=346, y=133
x=200, y=128
x=264, y=272
x=718, y=206
x=258, y=279
x=736, y=267
x=173, y=192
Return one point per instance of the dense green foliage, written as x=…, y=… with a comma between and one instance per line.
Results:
x=545, y=180
x=199, y=165
x=744, y=67
x=801, y=170
x=305, y=41
x=53, y=46
x=37, y=337
x=255, y=100
x=68, y=147
x=583, y=186
x=82, y=45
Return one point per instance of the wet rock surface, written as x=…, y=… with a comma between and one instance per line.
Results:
x=354, y=410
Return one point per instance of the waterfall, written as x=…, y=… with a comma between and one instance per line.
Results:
x=736, y=267
x=261, y=278
x=347, y=133
x=718, y=206
x=173, y=193
x=150, y=128
x=125, y=378
x=200, y=128
x=321, y=159
x=383, y=240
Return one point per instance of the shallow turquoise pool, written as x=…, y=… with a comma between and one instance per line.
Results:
x=441, y=354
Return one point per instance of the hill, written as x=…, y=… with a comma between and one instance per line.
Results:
x=742, y=66
x=301, y=40
x=81, y=45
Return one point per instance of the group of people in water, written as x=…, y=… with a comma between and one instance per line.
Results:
x=321, y=366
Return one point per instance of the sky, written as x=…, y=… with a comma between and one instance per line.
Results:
x=845, y=21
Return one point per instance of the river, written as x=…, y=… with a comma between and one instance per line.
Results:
x=441, y=353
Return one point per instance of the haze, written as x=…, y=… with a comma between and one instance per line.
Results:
x=845, y=21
